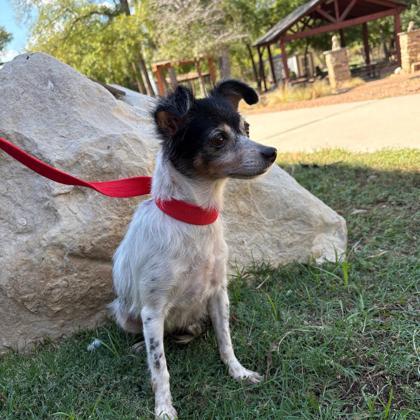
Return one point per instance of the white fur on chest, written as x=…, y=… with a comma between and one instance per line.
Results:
x=165, y=263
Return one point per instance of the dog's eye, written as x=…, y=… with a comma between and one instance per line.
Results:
x=218, y=140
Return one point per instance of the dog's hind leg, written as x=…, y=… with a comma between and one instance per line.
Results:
x=189, y=333
x=153, y=325
x=219, y=314
x=124, y=319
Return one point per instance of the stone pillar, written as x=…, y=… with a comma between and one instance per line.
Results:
x=338, y=66
x=410, y=50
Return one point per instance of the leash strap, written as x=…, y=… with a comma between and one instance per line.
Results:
x=119, y=188
x=128, y=187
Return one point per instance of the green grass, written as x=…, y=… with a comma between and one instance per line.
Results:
x=337, y=341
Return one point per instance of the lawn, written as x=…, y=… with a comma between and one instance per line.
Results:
x=333, y=341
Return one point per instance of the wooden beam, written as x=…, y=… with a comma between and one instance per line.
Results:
x=325, y=14
x=366, y=43
x=337, y=10
x=270, y=57
x=304, y=23
x=309, y=22
x=160, y=81
x=340, y=25
x=295, y=28
x=347, y=10
x=284, y=59
x=384, y=3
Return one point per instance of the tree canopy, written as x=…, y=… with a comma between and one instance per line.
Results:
x=190, y=28
x=5, y=38
x=105, y=41
x=412, y=13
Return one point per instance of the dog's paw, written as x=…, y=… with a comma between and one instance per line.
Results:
x=242, y=374
x=165, y=412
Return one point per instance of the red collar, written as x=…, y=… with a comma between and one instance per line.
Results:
x=121, y=188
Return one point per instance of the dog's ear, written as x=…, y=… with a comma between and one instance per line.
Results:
x=171, y=112
x=234, y=91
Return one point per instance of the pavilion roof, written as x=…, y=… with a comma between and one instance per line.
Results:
x=332, y=14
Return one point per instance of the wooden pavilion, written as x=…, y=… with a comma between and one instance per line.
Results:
x=167, y=78
x=320, y=16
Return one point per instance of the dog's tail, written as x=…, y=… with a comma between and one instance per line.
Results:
x=124, y=319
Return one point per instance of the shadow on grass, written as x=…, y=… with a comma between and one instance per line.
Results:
x=335, y=341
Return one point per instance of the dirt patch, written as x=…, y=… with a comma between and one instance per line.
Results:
x=394, y=85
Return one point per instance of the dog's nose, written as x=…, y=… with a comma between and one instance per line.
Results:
x=269, y=153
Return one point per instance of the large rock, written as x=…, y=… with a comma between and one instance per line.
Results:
x=57, y=241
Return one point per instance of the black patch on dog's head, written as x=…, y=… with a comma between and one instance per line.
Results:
x=197, y=133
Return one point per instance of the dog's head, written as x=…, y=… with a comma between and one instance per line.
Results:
x=207, y=137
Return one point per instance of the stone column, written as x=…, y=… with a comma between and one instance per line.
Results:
x=338, y=66
x=410, y=50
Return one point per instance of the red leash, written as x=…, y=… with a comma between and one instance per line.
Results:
x=121, y=188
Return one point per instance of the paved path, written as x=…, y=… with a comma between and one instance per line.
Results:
x=357, y=126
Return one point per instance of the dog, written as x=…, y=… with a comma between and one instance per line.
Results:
x=170, y=276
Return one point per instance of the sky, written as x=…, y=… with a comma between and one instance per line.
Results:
x=17, y=29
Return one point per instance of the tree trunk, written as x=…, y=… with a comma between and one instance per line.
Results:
x=145, y=74
x=254, y=67
x=342, y=39
x=225, y=63
x=139, y=79
x=386, y=49
x=212, y=70
x=305, y=59
x=125, y=8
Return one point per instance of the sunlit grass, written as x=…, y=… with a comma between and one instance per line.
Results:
x=404, y=160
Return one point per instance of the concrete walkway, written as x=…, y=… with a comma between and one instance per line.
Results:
x=357, y=126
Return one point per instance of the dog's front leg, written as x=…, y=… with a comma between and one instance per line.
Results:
x=153, y=324
x=219, y=314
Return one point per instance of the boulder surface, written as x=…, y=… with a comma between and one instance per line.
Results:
x=56, y=241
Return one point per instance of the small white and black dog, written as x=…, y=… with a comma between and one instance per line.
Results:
x=170, y=276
